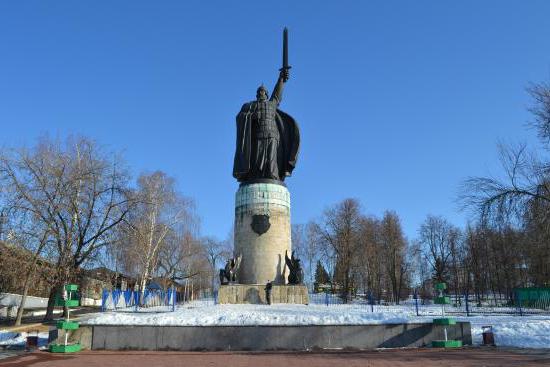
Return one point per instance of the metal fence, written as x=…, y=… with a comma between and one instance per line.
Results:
x=533, y=298
x=524, y=302
x=464, y=305
x=152, y=300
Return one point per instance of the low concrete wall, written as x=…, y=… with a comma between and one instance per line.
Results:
x=255, y=294
x=212, y=338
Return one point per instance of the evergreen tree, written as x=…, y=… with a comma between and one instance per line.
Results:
x=321, y=275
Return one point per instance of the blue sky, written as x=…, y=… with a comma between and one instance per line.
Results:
x=398, y=101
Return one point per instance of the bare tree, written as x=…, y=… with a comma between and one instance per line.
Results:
x=30, y=272
x=215, y=252
x=78, y=194
x=30, y=238
x=505, y=200
x=174, y=255
x=540, y=93
x=371, y=260
x=26, y=233
x=513, y=211
x=535, y=257
x=394, y=252
x=436, y=235
x=339, y=229
x=420, y=271
x=526, y=180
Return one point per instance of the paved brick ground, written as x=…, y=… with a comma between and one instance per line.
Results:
x=394, y=358
x=9, y=353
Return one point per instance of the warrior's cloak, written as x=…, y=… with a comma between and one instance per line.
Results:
x=289, y=139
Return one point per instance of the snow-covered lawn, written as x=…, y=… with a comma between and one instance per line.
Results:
x=515, y=331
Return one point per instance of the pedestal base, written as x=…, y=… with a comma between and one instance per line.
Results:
x=262, y=233
x=255, y=294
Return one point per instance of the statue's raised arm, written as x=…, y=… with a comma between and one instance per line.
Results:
x=277, y=95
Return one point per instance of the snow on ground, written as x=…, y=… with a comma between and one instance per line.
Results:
x=513, y=331
x=12, y=339
x=245, y=315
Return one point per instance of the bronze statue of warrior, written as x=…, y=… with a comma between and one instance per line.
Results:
x=268, y=139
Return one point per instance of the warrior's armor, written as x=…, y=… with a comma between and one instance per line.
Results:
x=264, y=120
x=267, y=153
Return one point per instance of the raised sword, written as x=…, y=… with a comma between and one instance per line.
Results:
x=285, y=51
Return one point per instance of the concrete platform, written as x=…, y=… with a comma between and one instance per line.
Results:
x=265, y=338
x=255, y=294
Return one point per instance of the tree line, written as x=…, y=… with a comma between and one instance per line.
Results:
x=356, y=255
x=505, y=245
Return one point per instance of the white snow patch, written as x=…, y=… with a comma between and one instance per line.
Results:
x=513, y=331
x=9, y=338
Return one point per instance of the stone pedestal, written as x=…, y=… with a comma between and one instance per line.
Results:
x=255, y=294
x=262, y=232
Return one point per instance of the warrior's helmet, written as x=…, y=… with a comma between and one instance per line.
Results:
x=260, y=88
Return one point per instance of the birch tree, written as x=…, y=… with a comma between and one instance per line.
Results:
x=304, y=242
x=153, y=220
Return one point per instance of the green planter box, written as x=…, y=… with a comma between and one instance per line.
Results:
x=444, y=321
x=442, y=300
x=60, y=348
x=71, y=287
x=447, y=343
x=67, y=325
